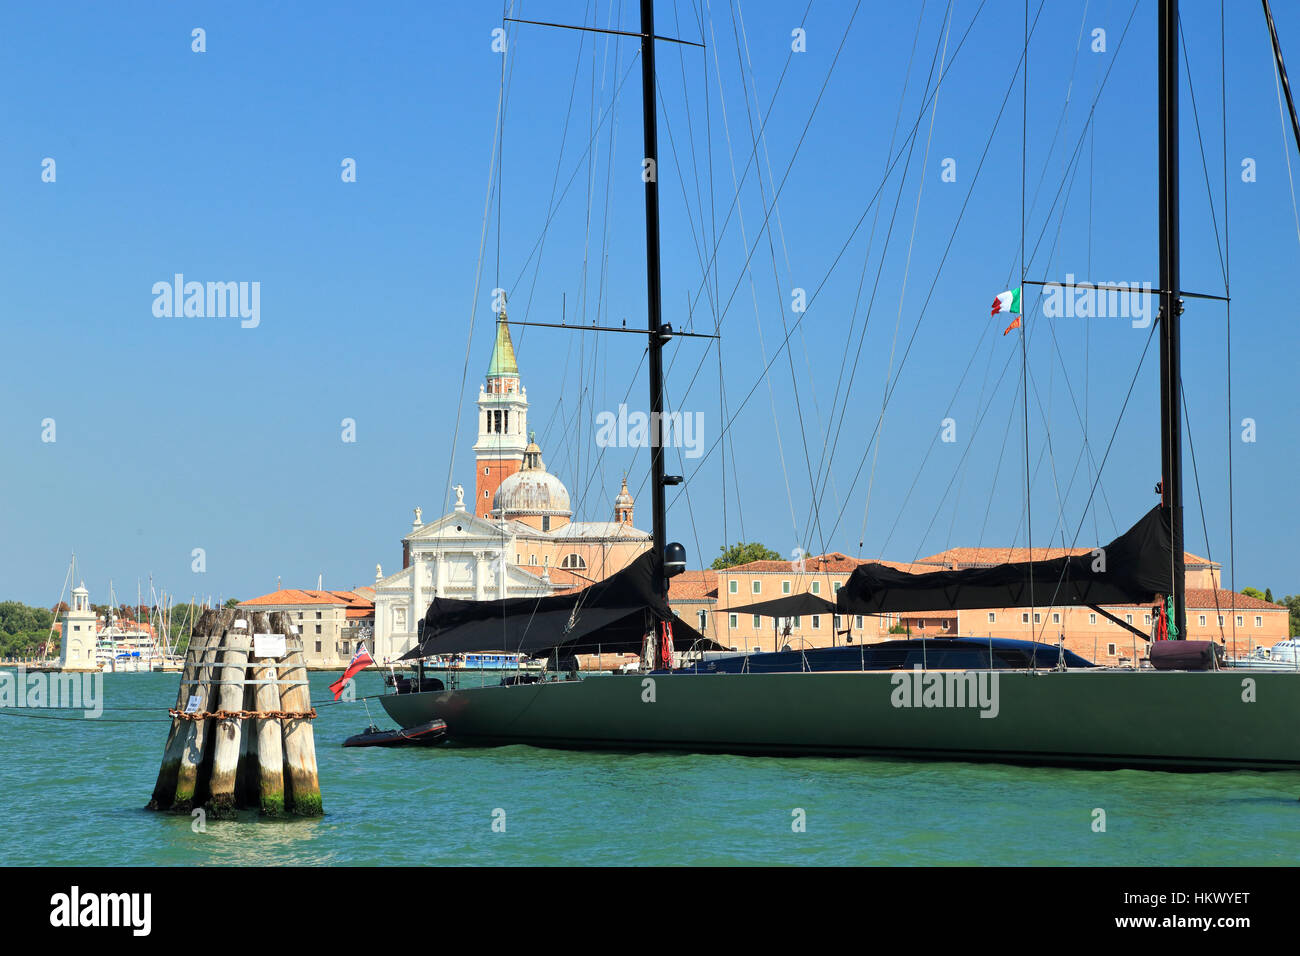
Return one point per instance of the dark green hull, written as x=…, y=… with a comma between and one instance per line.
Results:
x=1100, y=718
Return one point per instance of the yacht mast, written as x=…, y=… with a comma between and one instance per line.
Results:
x=658, y=334
x=1171, y=307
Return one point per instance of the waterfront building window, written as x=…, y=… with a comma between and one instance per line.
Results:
x=704, y=621
x=992, y=617
x=318, y=615
x=837, y=623
x=785, y=587
x=317, y=628
x=857, y=621
x=1024, y=617
x=1146, y=618
x=1241, y=620
x=346, y=652
x=532, y=559
x=836, y=587
x=1092, y=618
x=816, y=587
x=817, y=622
x=318, y=647
x=1038, y=618
x=1110, y=650
x=1056, y=617
x=756, y=587
x=1259, y=620
x=733, y=586
x=758, y=621
x=573, y=562
x=731, y=621
x=1220, y=620
x=1202, y=619
x=1128, y=618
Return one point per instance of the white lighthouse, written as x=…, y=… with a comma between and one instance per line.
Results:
x=77, y=649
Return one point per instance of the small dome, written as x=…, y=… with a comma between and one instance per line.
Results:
x=532, y=490
x=624, y=499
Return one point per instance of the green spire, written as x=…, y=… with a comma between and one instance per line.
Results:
x=503, y=352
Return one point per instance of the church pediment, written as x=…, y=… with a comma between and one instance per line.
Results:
x=456, y=526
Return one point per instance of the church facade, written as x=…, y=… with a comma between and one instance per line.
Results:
x=515, y=538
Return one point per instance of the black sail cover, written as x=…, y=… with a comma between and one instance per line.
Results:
x=612, y=616
x=1132, y=569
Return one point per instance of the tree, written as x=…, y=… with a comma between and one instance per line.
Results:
x=742, y=553
x=1292, y=601
x=231, y=602
x=1268, y=595
x=1253, y=592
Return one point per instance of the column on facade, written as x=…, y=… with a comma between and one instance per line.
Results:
x=417, y=591
x=480, y=575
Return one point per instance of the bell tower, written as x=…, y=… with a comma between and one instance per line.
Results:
x=502, y=421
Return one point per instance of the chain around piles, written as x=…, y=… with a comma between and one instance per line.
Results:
x=242, y=714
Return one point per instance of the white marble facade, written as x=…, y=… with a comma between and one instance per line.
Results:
x=458, y=556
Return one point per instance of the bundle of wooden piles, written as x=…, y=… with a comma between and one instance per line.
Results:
x=241, y=733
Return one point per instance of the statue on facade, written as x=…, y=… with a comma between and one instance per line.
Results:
x=460, y=495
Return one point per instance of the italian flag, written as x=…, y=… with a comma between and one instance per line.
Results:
x=1008, y=302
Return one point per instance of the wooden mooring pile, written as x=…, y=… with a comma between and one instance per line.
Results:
x=241, y=734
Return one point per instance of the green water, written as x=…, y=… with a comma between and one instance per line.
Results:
x=71, y=792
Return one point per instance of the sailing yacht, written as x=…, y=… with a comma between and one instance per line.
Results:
x=1185, y=713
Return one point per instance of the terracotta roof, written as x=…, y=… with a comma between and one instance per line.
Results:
x=694, y=586
x=1203, y=598
x=1004, y=555
x=356, y=604
x=833, y=562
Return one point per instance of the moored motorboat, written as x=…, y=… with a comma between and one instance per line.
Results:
x=421, y=735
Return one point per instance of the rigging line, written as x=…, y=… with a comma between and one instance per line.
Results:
x=591, y=142
x=1024, y=329
x=970, y=444
x=862, y=218
x=1205, y=167
x=478, y=275
x=555, y=180
x=942, y=261
x=841, y=401
x=1056, y=347
x=911, y=242
x=717, y=243
x=1286, y=150
x=748, y=65
x=1109, y=445
x=700, y=241
x=1088, y=123
x=848, y=240
x=1227, y=294
x=1205, y=529
x=690, y=131
x=794, y=380
x=753, y=291
x=1006, y=437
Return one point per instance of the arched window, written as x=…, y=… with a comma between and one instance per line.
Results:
x=573, y=562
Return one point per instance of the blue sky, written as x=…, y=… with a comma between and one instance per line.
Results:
x=181, y=433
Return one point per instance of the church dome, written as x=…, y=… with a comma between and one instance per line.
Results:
x=532, y=490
